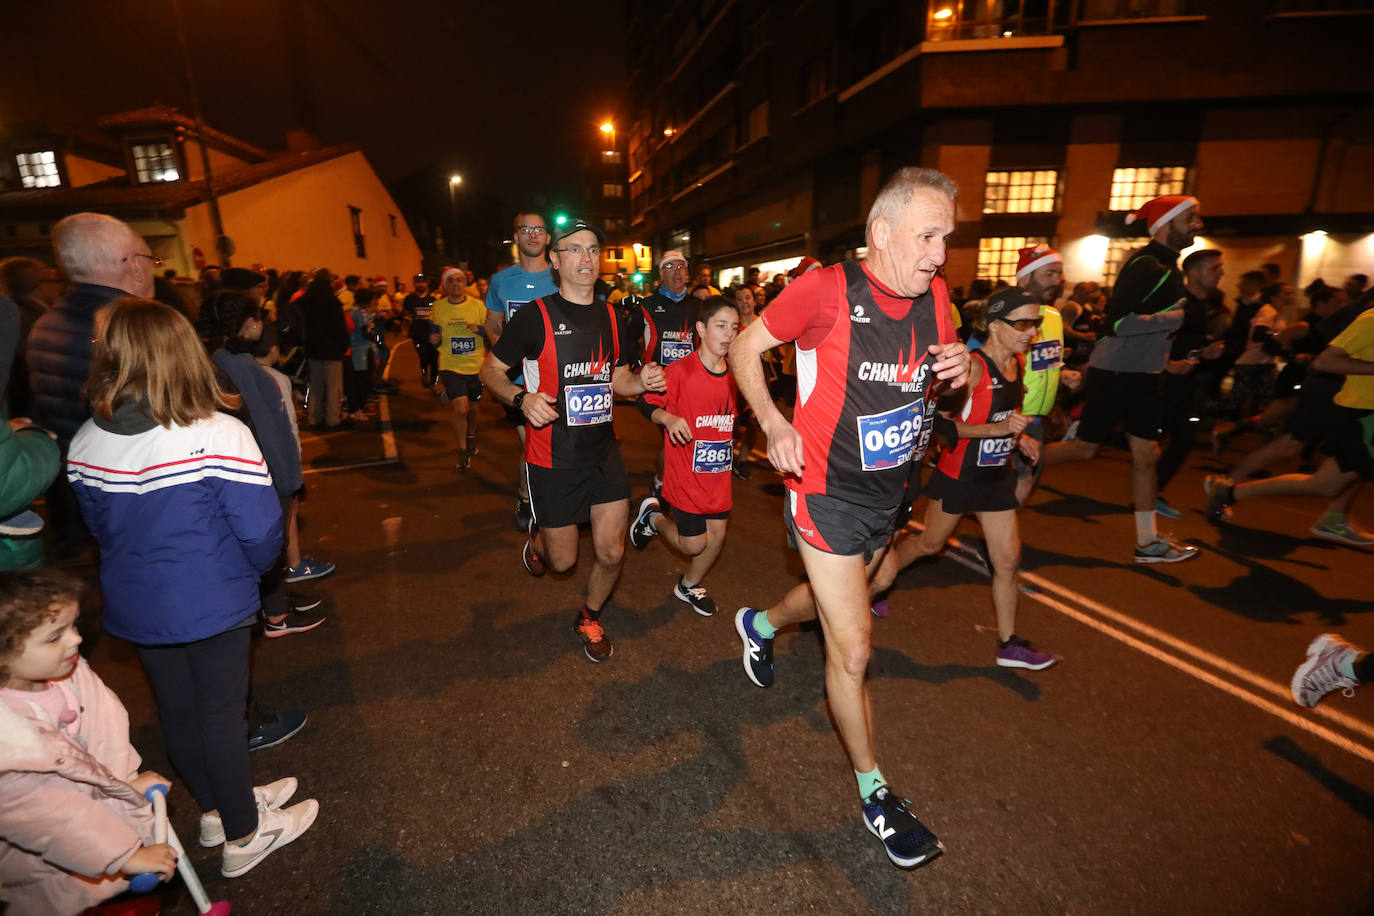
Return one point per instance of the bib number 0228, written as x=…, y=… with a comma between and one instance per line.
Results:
x=888, y=439
x=588, y=405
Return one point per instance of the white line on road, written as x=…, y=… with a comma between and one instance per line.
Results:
x=968, y=557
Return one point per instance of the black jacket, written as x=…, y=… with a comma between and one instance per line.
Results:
x=59, y=358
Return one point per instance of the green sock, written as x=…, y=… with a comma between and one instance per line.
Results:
x=869, y=782
x=766, y=629
x=1330, y=519
x=1346, y=664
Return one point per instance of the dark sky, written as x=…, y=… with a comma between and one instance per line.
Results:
x=501, y=92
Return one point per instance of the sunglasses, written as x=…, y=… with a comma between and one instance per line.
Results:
x=1024, y=324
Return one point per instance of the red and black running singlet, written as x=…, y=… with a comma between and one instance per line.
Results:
x=982, y=459
x=574, y=367
x=669, y=328
x=696, y=476
x=865, y=400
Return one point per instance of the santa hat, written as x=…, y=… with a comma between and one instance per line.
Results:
x=806, y=264
x=1159, y=211
x=1036, y=257
x=452, y=272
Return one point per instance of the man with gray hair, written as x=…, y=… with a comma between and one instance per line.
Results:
x=104, y=259
x=872, y=338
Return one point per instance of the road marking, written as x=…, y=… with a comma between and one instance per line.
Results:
x=388, y=438
x=352, y=466
x=970, y=558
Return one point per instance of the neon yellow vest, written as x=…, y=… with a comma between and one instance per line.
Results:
x=1043, y=363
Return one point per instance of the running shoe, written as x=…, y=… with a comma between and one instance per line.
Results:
x=275, y=727
x=1017, y=653
x=879, y=608
x=594, y=640
x=275, y=830
x=908, y=842
x=696, y=596
x=1166, y=510
x=1220, y=491
x=534, y=564
x=269, y=798
x=739, y=469
x=1164, y=549
x=1342, y=532
x=758, y=651
x=302, y=603
x=643, y=530
x=472, y=446
x=464, y=460
x=293, y=622
x=1321, y=673
x=308, y=568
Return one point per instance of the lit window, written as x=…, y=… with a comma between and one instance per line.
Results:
x=1133, y=187
x=997, y=256
x=39, y=170
x=355, y=217
x=612, y=190
x=1021, y=192
x=610, y=156
x=1118, y=250
x=154, y=161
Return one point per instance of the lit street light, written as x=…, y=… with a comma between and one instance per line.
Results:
x=453, y=182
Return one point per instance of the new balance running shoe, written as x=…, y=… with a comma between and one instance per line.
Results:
x=696, y=596
x=1322, y=672
x=595, y=642
x=643, y=530
x=908, y=842
x=758, y=650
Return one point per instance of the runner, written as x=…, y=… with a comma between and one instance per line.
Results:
x=524, y=281
x=977, y=476
x=871, y=339
x=697, y=413
x=667, y=317
x=569, y=343
x=1125, y=371
x=1040, y=272
x=456, y=330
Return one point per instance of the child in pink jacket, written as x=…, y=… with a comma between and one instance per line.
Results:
x=73, y=819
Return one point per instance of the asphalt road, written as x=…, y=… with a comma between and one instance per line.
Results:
x=469, y=759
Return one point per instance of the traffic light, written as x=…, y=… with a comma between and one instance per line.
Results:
x=560, y=219
x=638, y=278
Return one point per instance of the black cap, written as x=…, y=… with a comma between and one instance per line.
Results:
x=576, y=225
x=1005, y=301
x=241, y=279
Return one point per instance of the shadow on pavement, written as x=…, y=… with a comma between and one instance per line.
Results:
x=1359, y=800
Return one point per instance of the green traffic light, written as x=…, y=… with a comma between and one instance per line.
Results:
x=638, y=278
x=560, y=219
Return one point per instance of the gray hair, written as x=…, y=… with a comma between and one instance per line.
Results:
x=90, y=246
x=896, y=194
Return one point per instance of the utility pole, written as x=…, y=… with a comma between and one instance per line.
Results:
x=222, y=243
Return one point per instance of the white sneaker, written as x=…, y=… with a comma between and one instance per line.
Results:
x=275, y=830
x=1321, y=672
x=269, y=798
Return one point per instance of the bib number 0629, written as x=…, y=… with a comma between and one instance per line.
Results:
x=888, y=439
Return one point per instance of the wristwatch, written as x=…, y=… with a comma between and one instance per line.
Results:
x=518, y=400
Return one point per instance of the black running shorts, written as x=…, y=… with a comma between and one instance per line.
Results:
x=564, y=496
x=1351, y=440
x=1133, y=400
x=836, y=526
x=456, y=385
x=689, y=524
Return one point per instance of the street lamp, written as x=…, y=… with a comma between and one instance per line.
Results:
x=453, y=182
x=607, y=128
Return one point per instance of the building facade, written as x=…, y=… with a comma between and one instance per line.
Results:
x=305, y=208
x=764, y=131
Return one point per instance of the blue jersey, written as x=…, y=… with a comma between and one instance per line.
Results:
x=513, y=287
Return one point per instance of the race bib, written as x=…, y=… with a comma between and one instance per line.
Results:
x=588, y=405
x=710, y=457
x=462, y=346
x=512, y=306
x=993, y=453
x=1046, y=354
x=888, y=439
x=674, y=350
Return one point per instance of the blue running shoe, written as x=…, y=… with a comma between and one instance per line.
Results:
x=308, y=568
x=907, y=840
x=758, y=651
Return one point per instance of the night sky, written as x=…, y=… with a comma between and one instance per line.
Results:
x=500, y=92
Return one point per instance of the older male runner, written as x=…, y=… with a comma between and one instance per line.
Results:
x=871, y=339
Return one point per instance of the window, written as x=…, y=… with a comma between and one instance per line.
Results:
x=1021, y=192
x=615, y=254
x=997, y=256
x=1117, y=252
x=154, y=160
x=954, y=19
x=359, y=243
x=818, y=79
x=610, y=156
x=612, y=190
x=757, y=125
x=614, y=226
x=1133, y=187
x=392, y=217
x=1135, y=9
x=39, y=169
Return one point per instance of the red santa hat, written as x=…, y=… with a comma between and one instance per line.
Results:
x=1159, y=211
x=807, y=263
x=1036, y=257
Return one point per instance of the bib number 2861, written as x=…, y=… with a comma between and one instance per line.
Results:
x=888, y=439
x=588, y=405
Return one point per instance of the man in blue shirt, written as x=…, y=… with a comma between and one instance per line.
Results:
x=529, y=278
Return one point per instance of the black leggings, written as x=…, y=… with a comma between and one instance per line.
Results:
x=201, y=689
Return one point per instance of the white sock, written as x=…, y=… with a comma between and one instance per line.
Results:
x=1145, y=527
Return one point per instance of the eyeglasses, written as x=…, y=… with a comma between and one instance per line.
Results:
x=1024, y=324
x=157, y=262
x=675, y=265
x=577, y=251
x=530, y=230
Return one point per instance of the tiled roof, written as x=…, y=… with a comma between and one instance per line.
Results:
x=161, y=200
x=163, y=116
